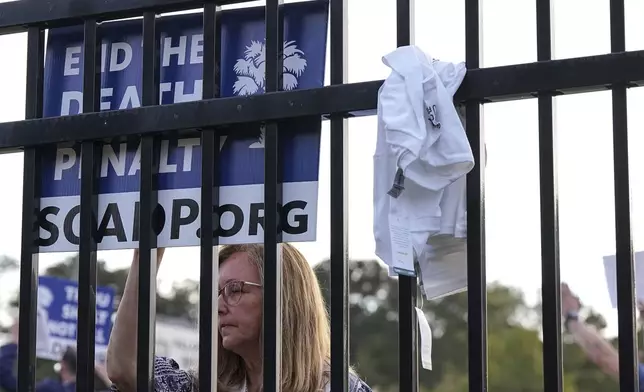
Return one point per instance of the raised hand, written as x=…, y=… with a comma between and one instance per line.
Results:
x=569, y=301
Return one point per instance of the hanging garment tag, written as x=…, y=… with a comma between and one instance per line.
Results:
x=399, y=184
x=425, y=339
x=402, y=251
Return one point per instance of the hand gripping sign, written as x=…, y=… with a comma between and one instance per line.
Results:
x=239, y=217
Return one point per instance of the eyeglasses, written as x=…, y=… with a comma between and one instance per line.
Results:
x=233, y=291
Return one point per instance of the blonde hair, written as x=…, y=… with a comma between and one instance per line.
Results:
x=306, y=346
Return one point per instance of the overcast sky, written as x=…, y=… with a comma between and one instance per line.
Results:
x=512, y=187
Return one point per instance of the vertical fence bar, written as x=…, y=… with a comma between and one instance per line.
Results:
x=339, y=207
x=628, y=374
x=272, y=196
x=550, y=291
x=30, y=204
x=476, y=269
x=208, y=303
x=85, y=339
x=148, y=203
x=408, y=287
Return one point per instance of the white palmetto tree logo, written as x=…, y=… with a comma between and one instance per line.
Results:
x=251, y=70
x=251, y=73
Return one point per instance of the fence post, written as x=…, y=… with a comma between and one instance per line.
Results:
x=339, y=153
x=628, y=353
x=272, y=200
x=407, y=286
x=208, y=282
x=148, y=204
x=30, y=204
x=476, y=268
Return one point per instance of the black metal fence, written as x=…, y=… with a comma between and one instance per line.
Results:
x=542, y=80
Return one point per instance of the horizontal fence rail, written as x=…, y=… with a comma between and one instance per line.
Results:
x=213, y=116
x=569, y=76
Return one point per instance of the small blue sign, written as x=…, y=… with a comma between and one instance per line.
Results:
x=58, y=300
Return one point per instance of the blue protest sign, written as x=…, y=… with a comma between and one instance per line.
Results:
x=241, y=166
x=58, y=307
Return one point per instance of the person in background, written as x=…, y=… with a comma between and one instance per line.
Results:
x=598, y=350
x=66, y=369
x=305, y=329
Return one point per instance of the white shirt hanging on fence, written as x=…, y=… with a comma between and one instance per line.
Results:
x=421, y=159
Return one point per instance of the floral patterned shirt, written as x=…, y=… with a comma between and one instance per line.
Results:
x=168, y=377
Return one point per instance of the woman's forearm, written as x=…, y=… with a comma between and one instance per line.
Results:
x=121, y=351
x=596, y=348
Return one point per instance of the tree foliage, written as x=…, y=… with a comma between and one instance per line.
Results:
x=515, y=355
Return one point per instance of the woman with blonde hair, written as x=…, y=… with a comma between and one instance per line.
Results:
x=305, y=333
